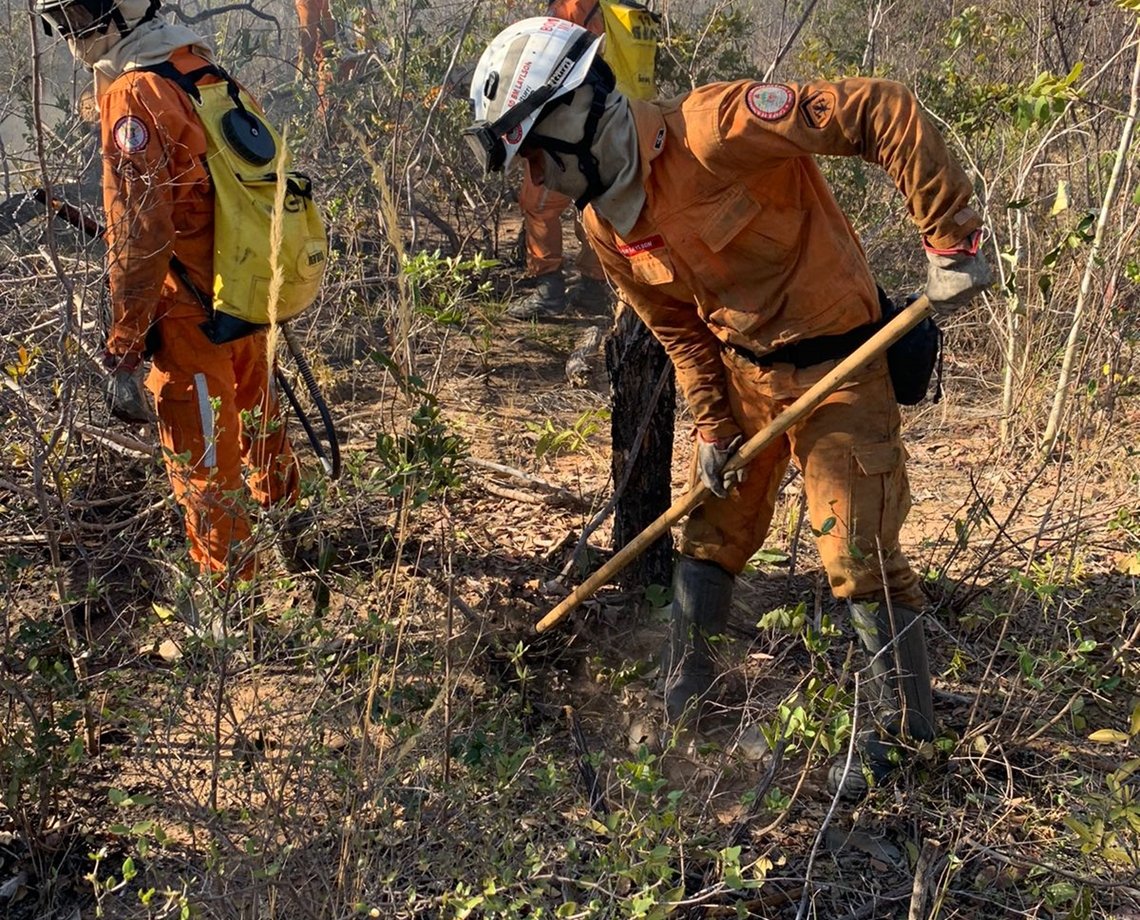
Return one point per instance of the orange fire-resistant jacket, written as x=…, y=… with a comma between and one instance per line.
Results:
x=740, y=240
x=158, y=200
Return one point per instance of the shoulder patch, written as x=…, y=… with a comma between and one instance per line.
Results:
x=769, y=101
x=131, y=134
x=816, y=110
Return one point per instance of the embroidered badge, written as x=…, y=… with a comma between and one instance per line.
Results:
x=131, y=134
x=769, y=101
x=659, y=140
x=514, y=136
x=629, y=250
x=816, y=110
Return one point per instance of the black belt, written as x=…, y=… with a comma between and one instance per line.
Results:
x=807, y=352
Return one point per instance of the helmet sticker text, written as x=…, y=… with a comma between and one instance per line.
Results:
x=769, y=101
x=131, y=134
x=520, y=81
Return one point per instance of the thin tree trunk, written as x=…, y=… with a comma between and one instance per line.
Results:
x=635, y=361
x=1060, y=397
x=787, y=46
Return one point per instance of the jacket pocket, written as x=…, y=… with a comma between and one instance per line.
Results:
x=652, y=267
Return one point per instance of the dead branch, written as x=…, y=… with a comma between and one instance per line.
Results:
x=926, y=872
x=552, y=494
x=227, y=8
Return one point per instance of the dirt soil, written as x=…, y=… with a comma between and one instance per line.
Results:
x=228, y=750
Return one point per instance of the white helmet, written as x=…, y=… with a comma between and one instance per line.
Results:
x=82, y=18
x=526, y=66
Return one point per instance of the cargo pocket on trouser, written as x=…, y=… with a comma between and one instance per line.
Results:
x=858, y=498
x=203, y=464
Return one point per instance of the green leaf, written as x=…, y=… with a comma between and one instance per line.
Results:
x=769, y=557
x=1134, y=723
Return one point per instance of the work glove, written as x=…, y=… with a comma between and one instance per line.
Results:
x=123, y=388
x=711, y=459
x=955, y=275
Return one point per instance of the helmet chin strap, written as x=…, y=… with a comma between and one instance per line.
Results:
x=587, y=162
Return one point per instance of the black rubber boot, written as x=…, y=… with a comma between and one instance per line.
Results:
x=547, y=298
x=898, y=693
x=591, y=294
x=702, y=593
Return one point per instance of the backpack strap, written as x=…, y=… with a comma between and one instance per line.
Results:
x=188, y=82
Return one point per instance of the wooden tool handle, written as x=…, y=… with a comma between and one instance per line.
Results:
x=877, y=345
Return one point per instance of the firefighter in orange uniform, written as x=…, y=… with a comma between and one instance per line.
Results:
x=542, y=209
x=711, y=216
x=318, y=32
x=216, y=405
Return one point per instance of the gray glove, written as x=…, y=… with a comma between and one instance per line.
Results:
x=711, y=459
x=125, y=398
x=952, y=279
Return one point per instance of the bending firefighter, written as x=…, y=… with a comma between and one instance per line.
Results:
x=216, y=405
x=710, y=214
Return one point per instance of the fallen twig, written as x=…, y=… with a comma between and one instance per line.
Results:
x=552, y=494
x=926, y=871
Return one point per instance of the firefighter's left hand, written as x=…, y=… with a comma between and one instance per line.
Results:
x=124, y=391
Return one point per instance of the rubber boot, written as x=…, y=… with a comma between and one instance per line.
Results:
x=591, y=294
x=547, y=298
x=702, y=593
x=898, y=692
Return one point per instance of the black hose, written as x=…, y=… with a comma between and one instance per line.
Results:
x=331, y=464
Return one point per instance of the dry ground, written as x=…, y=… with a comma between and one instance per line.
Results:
x=399, y=744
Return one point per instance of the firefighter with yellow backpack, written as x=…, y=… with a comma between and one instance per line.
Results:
x=631, y=45
x=209, y=239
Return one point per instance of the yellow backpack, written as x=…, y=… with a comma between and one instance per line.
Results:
x=631, y=46
x=261, y=228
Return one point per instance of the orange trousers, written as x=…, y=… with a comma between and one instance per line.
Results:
x=218, y=411
x=542, y=210
x=850, y=453
x=318, y=29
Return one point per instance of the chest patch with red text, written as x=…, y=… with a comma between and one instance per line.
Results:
x=637, y=247
x=769, y=101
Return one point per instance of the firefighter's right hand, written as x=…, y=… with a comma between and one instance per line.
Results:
x=124, y=391
x=712, y=456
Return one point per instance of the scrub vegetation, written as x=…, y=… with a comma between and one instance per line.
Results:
x=401, y=744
